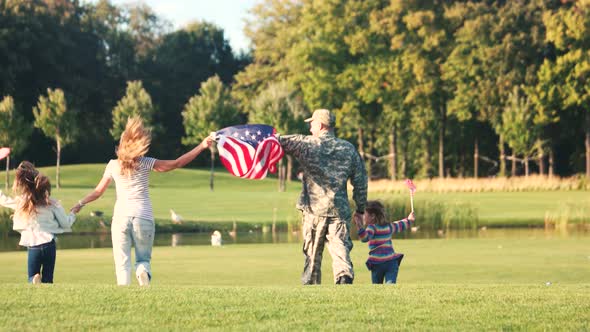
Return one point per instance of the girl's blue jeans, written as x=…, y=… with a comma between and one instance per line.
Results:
x=41, y=259
x=385, y=271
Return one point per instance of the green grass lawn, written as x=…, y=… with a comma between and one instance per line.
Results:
x=186, y=191
x=466, y=284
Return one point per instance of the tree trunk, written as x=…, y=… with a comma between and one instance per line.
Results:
x=360, y=142
x=404, y=165
x=289, y=168
x=211, y=177
x=7, y=185
x=526, y=166
x=587, y=144
x=281, y=176
x=476, y=160
x=513, y=171
x=393, y=152
x=57, y=184
x=551, y=163
x=541, y=162
x=370, y=148
x=502, y=157
x=462, y=164
x=441, y=143
x=427, y=161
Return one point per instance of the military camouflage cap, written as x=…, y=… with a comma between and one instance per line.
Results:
x=324, y=116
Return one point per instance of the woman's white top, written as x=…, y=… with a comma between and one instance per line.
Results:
x=133, y=199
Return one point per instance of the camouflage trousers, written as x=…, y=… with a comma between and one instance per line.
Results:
x=333, y=233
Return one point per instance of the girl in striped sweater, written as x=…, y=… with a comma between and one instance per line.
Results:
x=383, y=260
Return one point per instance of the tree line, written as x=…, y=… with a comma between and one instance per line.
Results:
x=436, y=88
x=423, y=88
x=104, y=60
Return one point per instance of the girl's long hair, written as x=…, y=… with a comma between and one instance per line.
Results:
x=377, y=209
x=135, y=143
x=32, y=188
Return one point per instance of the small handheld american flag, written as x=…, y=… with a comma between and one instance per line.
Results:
x=412, y=188
x=4, y=152
x=249, y=151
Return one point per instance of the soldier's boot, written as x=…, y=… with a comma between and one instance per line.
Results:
x=344, y=280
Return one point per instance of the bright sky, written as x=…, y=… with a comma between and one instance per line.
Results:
x=227, y=14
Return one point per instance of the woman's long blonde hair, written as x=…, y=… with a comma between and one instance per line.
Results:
x=32, y=188
x=135, y=143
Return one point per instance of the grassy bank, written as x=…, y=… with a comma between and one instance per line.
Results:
x=248, y=202
x=443, y=285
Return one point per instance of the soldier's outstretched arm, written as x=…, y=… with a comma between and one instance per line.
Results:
x=293, y=144
x=360, y=183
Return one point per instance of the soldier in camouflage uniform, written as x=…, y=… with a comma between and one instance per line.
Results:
x=328, y=163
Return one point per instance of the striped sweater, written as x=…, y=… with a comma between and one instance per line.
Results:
x=379, y=238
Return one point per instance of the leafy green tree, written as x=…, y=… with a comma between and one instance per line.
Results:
x=45, y=44
x=279, y=106
x=136, y=102
x=56, y=122
x=497, y=46
x=568, y=29
x=420, y=32
x=273, y=30
x=209, y=111
x=14, y=131
x=546, y=99
x=182, y=61
x=518, y=126
x=145, y=26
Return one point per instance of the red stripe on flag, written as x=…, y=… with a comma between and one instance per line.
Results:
x=242, y=160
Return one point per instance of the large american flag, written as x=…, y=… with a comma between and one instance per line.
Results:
x=249, y=151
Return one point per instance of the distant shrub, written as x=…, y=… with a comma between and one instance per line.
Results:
x=433, y=214
x=497, y=184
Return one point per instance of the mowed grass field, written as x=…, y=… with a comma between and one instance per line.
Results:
x=186, y=191
x=460, y=284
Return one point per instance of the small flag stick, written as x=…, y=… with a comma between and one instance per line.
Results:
x=412, y=188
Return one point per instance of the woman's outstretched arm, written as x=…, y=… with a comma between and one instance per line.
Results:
x=169, y=165
x=93, y=195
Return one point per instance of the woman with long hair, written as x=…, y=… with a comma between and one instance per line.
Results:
x=133, y=218
x=37, y=217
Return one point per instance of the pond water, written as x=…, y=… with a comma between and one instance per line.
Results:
x=103, y=240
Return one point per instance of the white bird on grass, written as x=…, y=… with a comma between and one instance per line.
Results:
x=176, y=219
x=216, y=239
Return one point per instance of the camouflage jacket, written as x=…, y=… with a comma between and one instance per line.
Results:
x=328, y=163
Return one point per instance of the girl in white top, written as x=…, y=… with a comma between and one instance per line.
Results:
x=38, y=218
x=133, y=218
